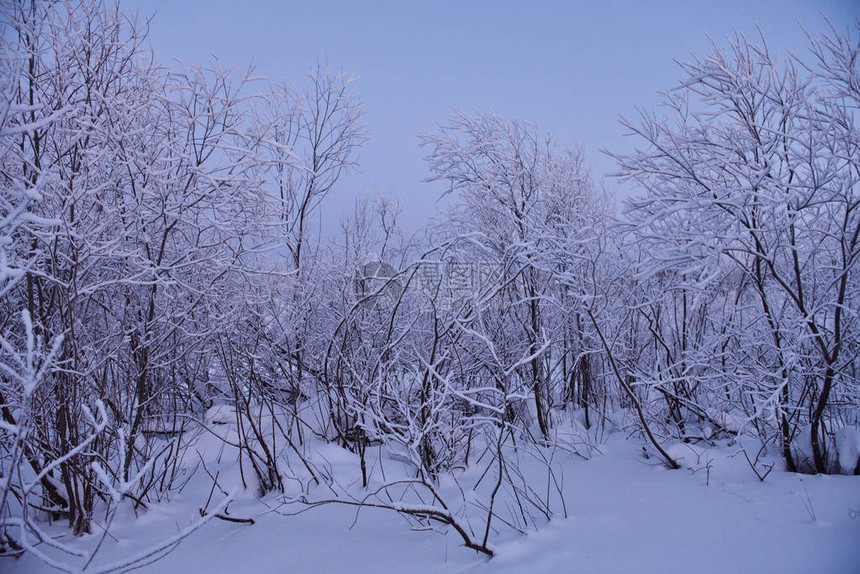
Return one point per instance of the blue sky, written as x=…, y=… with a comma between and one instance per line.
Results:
x=570, y=67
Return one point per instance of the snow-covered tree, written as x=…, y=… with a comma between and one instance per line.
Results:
x=751, y=188
x=514, y=189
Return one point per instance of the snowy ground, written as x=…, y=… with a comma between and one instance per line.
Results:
x=626, y=514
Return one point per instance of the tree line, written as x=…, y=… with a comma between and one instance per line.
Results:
x=157, y=260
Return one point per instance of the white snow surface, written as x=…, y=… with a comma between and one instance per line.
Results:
x=220, y=414
x=626, y=513
x=848, y=444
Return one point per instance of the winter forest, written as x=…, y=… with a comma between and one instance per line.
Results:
x=184, y=356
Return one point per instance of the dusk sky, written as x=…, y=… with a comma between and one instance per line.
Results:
x=570, y=67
